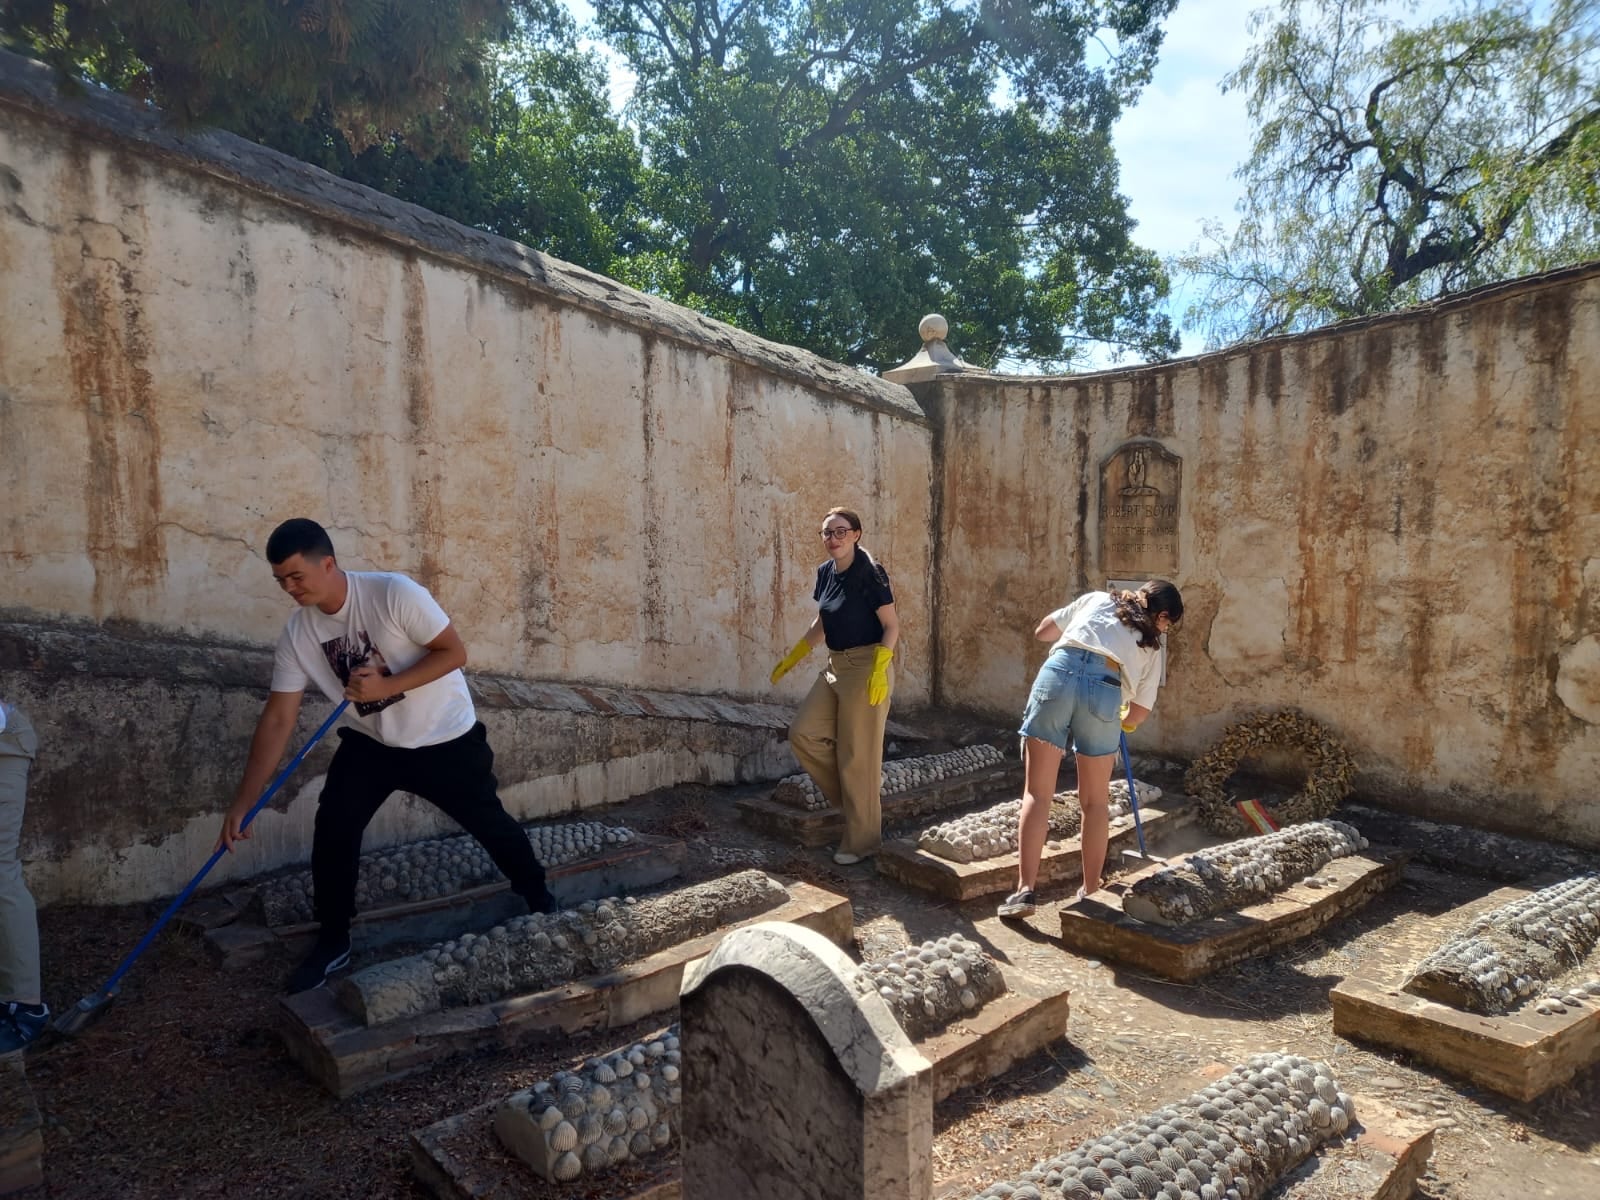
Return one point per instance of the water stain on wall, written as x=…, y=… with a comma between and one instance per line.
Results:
x=107, y=342
x=416, y=370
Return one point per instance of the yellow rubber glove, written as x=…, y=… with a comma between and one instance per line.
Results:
x=878, y=681
x=1123, y=714
x=796, y=653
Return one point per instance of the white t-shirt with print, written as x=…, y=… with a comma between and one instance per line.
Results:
x=1091, y=621
x=387, y=621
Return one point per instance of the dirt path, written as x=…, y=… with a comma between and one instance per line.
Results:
x=184, y=1090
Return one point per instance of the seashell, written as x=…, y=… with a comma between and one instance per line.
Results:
x=567, y=1168
x=563, y=1136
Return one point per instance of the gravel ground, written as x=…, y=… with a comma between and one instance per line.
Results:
x=183, y=1089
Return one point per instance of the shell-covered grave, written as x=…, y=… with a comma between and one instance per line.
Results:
x=1330, y=771
x=536, y=952
x=1232, y=1140
x=620, y=1106
x=991, y=832
x=1539, y=948
x=899, y=775
x=1237, y=874
x=437, y=867
x=928, y=986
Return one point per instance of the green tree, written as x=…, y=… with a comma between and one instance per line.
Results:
x=1395, y=164
x=371, y=65
x=544, y=162
x=824, y=172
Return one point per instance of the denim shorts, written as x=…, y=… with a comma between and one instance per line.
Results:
x=1076, y=696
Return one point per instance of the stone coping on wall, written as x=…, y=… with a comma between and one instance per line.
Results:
x=121, y=123
x=63, y=650
x=1486, y=293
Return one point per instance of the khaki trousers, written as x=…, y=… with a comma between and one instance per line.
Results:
x=838, y=738
x=19, y=923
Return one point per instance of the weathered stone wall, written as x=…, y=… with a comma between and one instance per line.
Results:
x=1390, y=524
x=1393, y=525
x=199, y=338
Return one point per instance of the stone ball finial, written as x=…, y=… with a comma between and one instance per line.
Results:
x=933, y=328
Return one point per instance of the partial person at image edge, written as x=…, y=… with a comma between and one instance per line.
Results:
x=23, y=1013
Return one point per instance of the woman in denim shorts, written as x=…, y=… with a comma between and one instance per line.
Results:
x=1099, y=680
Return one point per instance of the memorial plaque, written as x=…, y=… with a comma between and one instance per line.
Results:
x=1140, y=491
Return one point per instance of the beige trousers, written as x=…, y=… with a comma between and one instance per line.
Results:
x=19, y=926
x=838, y=738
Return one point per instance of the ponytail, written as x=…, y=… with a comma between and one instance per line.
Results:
x=1138, y=610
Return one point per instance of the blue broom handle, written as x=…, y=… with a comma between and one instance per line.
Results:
x=1133, y=793
x=216, y=855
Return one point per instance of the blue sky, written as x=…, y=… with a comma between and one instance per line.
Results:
x=1180, y=145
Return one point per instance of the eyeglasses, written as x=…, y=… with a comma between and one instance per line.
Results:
x=829, y=535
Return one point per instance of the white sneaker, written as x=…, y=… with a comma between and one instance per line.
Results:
x=846, y=860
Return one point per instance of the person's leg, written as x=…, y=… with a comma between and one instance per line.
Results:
x=1094, y=787
x=860, y=751
x=1096, y=737
x=360, y=779
x=457, y=777
x=19, y=923
x=813, y=737
x=1041, y=767
x=1046, y=723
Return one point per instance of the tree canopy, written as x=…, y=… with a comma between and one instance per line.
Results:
x=1396, y=163
x=371, y=66
x=821, y=172
x=825, y=172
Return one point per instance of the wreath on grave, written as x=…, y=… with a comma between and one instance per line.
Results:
x=1329, y=771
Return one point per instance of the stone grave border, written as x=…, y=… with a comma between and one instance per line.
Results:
x=21, y=1129
x=972, y=1049
x=346, y=1056
x=1521, y=1054
x=903, y=861
x=1385, y=1160
x=236, y=937
x=1097, y=926
x=818, y=827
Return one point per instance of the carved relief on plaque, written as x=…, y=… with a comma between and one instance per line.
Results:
x=1140, y=492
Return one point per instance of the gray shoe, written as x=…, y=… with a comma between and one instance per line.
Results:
x=1019, y=904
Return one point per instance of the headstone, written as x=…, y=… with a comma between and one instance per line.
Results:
x=798, y=1084
x=1141, y=486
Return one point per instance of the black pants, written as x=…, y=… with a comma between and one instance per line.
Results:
x=455, y=776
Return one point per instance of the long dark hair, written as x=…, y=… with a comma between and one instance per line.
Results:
x=1139, y=610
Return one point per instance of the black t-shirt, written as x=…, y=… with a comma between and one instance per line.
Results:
x=849, y=603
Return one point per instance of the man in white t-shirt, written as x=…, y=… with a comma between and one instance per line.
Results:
x=381, y=641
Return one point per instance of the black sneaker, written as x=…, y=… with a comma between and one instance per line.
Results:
x=20, y=1024
x=331, y=952
x=1019, y=904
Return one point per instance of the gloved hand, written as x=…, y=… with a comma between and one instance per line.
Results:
x=799, y=651
x=1123, y=714
x=878, y=681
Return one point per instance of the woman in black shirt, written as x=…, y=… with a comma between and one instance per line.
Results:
x=838, y=733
